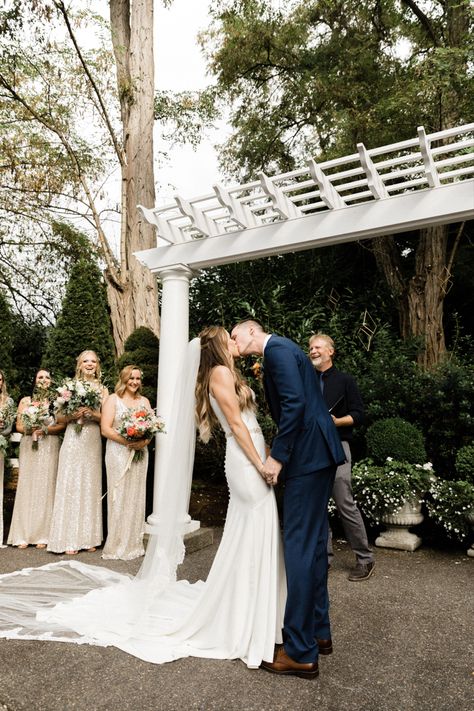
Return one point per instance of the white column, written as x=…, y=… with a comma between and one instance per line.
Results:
x=174, y=336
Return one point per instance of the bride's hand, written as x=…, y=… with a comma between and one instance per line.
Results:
x=261, y=470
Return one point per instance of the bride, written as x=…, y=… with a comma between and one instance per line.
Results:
x=238, y=611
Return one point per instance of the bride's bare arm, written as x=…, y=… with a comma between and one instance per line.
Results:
x=222, y=388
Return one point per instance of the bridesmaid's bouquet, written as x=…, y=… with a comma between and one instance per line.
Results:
x=3, y=446
x=36, y=417
x=73, y=394
x=139, y=424
x=7, y=414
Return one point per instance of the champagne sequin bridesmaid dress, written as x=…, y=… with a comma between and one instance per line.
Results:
x=31, y=519
x=77, y=514
x=126, y=492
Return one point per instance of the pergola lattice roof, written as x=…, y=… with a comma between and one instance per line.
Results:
x=393, y=188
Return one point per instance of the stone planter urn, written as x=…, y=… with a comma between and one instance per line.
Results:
x=397, y=534
x=470, y=518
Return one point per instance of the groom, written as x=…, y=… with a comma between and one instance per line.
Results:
x=306, y=451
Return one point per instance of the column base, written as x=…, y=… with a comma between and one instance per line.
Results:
x=189, y=525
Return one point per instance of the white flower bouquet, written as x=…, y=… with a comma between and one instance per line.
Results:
x=36, y=416
x=74, y=394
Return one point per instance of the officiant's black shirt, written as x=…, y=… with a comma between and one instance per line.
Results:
x=342, y=397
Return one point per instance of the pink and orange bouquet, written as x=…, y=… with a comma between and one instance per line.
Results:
x=139, y=424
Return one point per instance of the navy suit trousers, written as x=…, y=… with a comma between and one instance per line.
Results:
x=305, y=534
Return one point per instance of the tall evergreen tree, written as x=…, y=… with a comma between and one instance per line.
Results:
x=83, y=324
x=28, y=344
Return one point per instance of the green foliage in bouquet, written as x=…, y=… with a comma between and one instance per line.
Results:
x=384, y=488
x=395, y=438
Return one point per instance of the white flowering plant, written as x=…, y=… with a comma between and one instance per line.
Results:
x=385, y=488
x=449, y=503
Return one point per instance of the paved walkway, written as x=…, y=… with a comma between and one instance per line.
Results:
x=402, y=642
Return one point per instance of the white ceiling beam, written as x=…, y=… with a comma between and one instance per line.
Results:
x=283, y=205
x=327, y=191
x=374, y=181
x=401, y=213
x=238, y=211
x=430, y=167
x=166, y=230
x=200, y=221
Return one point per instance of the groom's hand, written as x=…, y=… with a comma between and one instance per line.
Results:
x=271, y=470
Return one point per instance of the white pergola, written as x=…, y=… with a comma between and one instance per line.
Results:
x=395, y=188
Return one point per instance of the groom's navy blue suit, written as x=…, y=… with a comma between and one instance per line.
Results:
x=309, y=447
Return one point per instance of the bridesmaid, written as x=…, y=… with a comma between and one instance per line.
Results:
x=77, y=514
x=126, y=490
x=5, y=428
x=33, y=506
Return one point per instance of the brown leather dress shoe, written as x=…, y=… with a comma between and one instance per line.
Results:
x=283, y=664
x=325, y=646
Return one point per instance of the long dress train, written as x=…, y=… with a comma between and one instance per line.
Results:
x=236, y=613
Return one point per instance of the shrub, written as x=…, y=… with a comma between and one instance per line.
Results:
x=397, y=439
x=141, y=348
x=465, y=463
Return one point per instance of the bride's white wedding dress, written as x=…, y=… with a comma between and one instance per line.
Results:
x=236, y=613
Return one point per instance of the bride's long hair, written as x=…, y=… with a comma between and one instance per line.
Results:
x=215, y=351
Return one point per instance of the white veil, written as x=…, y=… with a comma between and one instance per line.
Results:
x=74, y=602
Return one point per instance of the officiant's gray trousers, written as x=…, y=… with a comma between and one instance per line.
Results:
x=351, y=518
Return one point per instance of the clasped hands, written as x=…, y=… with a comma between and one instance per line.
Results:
x=138, y=444
x=270, y=470
x=82, y=413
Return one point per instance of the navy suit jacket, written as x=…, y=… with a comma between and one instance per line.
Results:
x=307, y=439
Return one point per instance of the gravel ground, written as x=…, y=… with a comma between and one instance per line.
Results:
x=402, y=642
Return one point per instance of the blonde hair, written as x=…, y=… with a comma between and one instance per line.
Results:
x=124, y=376
x=323, y=337
x=215, y=351
x=3, y=389
x=80, y=358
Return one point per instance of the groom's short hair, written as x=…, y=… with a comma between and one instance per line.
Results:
x=250, y=322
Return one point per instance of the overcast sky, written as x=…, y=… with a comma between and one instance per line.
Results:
x=180, y=66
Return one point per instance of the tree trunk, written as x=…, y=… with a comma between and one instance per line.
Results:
x=420, y=298
x=425, y=295
x=134, y=301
